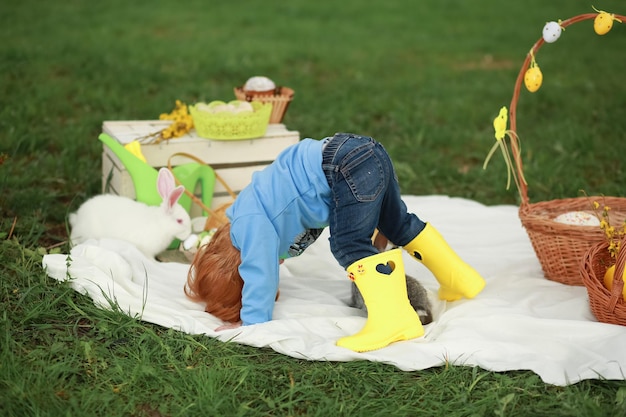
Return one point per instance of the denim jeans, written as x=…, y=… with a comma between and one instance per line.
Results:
x=366, y=196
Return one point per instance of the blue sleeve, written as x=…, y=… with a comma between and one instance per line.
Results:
x=256, y=239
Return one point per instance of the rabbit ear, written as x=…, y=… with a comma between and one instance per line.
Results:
x=165, y=183
x=169, y=192
x=174, y=195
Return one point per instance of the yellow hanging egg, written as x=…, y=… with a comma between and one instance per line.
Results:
x=603, y=23
x=608, y=280
x=533, y=78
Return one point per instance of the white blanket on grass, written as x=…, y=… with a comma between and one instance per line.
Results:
x=521, y=321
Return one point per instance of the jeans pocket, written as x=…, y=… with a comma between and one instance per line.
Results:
x=364, y=174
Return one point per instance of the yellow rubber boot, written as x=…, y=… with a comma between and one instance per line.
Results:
x=390, y=317
x=456, y=278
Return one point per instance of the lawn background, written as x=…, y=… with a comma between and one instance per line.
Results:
x=425, y=78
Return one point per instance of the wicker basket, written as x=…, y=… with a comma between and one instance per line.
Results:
x=607, y=306
x=280, y=99
x=231, y=126
x=559, y=247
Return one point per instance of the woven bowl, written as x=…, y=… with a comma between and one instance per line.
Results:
x=607, y=306
x=279, y=98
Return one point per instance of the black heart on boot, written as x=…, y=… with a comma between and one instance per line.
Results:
x=386, y=269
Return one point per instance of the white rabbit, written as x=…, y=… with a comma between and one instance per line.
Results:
x=150, y=228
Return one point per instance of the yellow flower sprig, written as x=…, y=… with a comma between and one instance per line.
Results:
x=613, y=236
x=182, y=123
x=501, y=133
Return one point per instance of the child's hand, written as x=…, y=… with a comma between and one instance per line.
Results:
x=229, y=326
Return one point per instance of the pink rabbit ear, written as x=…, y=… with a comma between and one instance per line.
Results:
x=165, y=183
x=174, y=195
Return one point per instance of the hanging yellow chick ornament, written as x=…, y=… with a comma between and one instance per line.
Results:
x=603, y=22
x=533, y=76
x=501, y=133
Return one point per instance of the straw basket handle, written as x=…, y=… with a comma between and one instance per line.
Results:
x=518, y=83
x=195, y=199
x=618, y=280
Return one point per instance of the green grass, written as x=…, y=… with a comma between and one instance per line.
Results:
x=425, y=78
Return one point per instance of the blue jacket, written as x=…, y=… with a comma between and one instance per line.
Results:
x=277, y=216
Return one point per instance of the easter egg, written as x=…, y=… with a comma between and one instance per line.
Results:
x=533, y=79
x=191, y=242
x=243, y=107
x=608, y=280
x=603, y=23
x=551, y=32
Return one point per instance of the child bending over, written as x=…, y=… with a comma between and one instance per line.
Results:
x=347, y=183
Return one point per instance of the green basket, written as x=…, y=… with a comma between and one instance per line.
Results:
x=225, y=125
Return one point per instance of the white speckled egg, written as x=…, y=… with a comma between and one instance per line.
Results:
x=551, y=32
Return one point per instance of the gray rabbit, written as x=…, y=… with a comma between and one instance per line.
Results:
x=418, y=296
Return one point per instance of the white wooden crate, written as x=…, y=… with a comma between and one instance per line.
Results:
x=233, y=160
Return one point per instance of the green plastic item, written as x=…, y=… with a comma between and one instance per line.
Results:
x=144, y=176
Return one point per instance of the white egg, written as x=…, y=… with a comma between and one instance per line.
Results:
x=202, y=107
x=221, y=108
x=205, y=240
x=190, y=242
x=551, y=32
x=197, y=224
x=244, y=107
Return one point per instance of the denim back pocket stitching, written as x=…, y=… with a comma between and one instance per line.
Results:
x=359, y=185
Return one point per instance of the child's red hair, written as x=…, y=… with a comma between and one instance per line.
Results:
x=214, y=279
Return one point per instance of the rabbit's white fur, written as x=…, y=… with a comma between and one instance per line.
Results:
x=150, y=228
